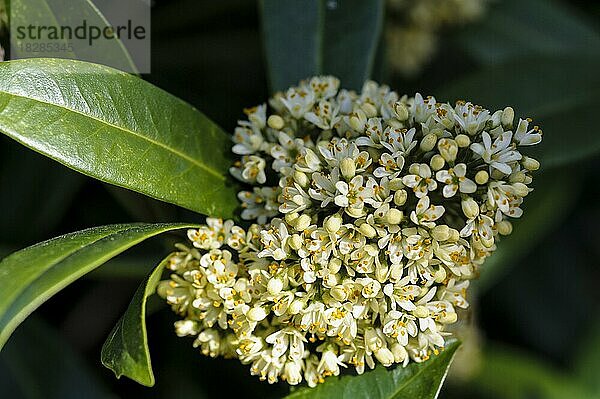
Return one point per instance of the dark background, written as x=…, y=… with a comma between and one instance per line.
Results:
x=535, y=331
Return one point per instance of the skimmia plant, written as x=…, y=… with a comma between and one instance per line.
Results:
x=343, y=226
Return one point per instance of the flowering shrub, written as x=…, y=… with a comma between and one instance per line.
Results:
x=372, y=212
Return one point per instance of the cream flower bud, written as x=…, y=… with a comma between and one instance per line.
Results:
x=530, y=163
x=448, y=149
x=508, y=116
x=275, y=122
x=394, y=216
x=369, y=109
x=518, y=177
x=421, y=312
x=334, y=265
x=401, y=111
x=385, y=356
x=521, y=189
x=428, y=142
x=257, y=313
x=290, y=217
x=441, y=232
x=372, y=340
x=295, y=242
x=348, y=168
x=367, y=230
x=358, y=120
x=505, y=227
x=400, y=197
x=448, y=318
x=462, y=140
x=482, y=177
x=274, y=286
x=396, y=184
x=186, y=327
x=437, y=162
x=356, y=212
x=333, y=223
x=296, y=306
x=470, y=208
x=400, y=353
x=454, y=235
x=301, y=223
x=440, y=275
x=301, y=178
x=339, y=293
x=414, y=169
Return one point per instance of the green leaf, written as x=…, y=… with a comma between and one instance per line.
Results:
x=422, y=381
x=31, y=276
x=292, y=35
x=306, y=38
x=517, y=28
x=351, y=38
x=587, y=361
x=57, y=13
x=126, y=349
x=559, y=93
x=40, y=365
x=119, y=129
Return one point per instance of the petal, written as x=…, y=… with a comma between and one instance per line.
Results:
x=468, y=186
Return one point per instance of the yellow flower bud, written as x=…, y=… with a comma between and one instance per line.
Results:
x=301, y=178
x=348, y=168
x=275, y=122
x=448, y=318
x=370, y=110
x=440, y=275
x=339, y=293
x=400, y=197
x=333, y=223
x=462, y=140
x=441, y=232
x=257, y=313
x=505, y=227
x=428, y=142
x=295, y=242
x=521, y=189
x=394, y=216
x=421, y=312
x=334, y=265
x=530, y=163
x=290, y=217
x=448, y=149
x=437, y=162
x=274, y=286
x=367, y=230
x=470, y=208
x=396, y=184
x=302, y=222
x=508, y=116
x=482, y=177
x=401, y=111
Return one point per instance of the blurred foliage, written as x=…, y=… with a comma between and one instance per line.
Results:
x=538, y=305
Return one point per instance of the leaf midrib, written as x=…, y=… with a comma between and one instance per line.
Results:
x=188, y=158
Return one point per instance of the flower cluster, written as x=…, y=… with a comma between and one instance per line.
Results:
x=413, y=27
x=372, y=212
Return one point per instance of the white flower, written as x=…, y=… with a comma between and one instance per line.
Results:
x=422, y=182
x=248, y=139
x=525, y=137
x=330, y=363
x=324, y=115
x=352, y=194
x=498, y=155
x=471, y=118
x=260, y=204
x=455, y=180
x=298, y=101
x=426, y=214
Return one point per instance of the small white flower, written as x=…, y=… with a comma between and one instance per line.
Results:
x=499, y=154
x=455, y=179
x=525, y=137
x=426, y=214
x=422, y=182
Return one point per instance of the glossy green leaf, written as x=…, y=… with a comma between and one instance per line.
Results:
x=517, y=28
x=422, y=381
x=351, y=38
x=126, y=349
x=292, y=35
x=40, y=364
x=305, y=38
x=559, y=93
x=31, y=276
x=57, y=13
x=119, y=129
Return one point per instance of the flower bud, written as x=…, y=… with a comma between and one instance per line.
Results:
x=295, y=242
x=530, y=163
x=414, y=169
x=367, y=230
x=296, y=306
x=518, y=177
x=448, y=318
x=301, y=178
x=372, y=340
x=401, y=111
x=369, y=109
x=330, y=280
x=521, y=189
x=462, y=140
x=274, y=286
x=440, y=275
x=356, y=212
x=421, y=312
x=385, y=356
x=339, y=293
x=508, y=116
x=301, y=223
x=275, y=122
x=454, y=235
x=257, y=313
x=333, y=223
x=358, y=120
x=505, y=227
x=448, y=149
x=470, y=208
x=396, y=184
x=428, y=142
x=348, y=168
x=437, y=162
x=441, y=232
x=290, y=217
x=393, y=216
x=400, y=197
x=334, y=265
x=482, y=177
x=400, y=353
x=186, y=327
